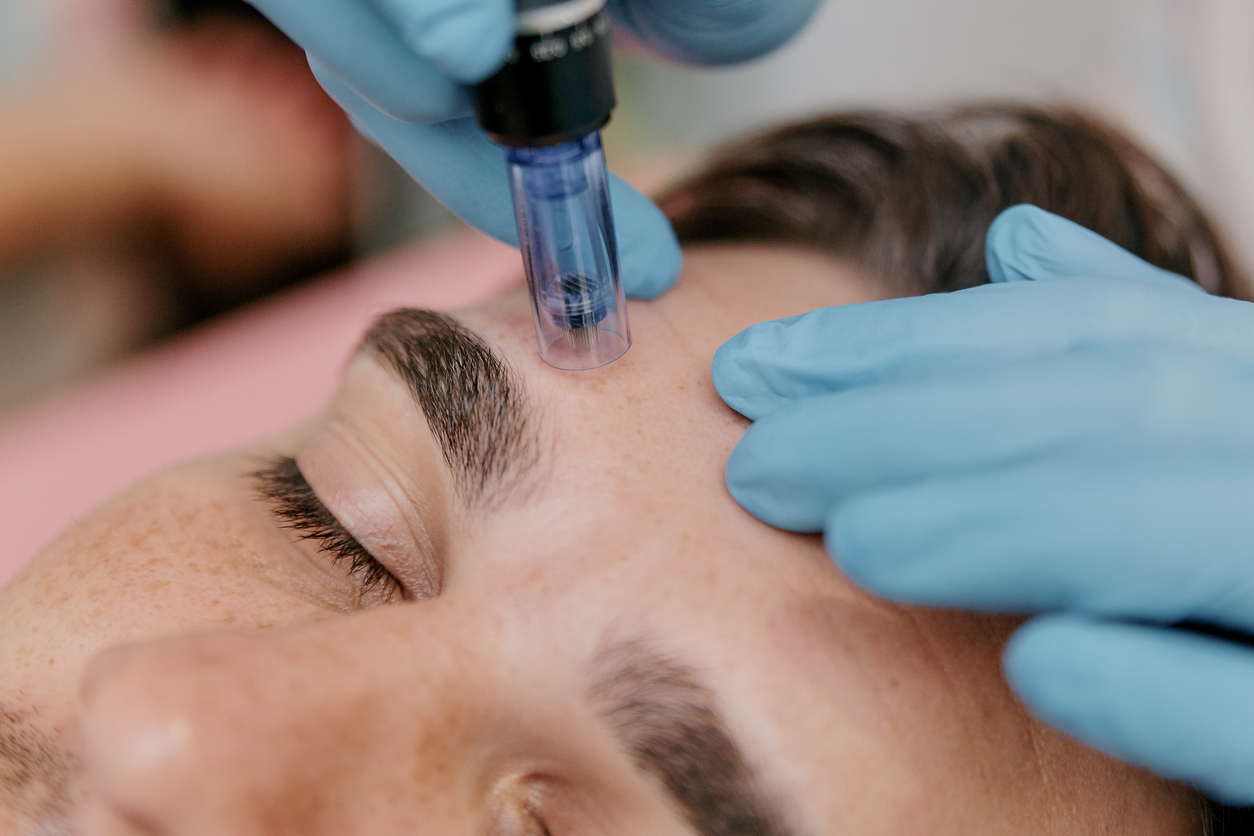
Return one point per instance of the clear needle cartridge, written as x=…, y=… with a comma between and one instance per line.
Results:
x=547, y=107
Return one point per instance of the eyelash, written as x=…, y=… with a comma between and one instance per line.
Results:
x=300, y=510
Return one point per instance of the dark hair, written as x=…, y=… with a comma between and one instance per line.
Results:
x=910, y=198
x=1228, y=821
x=188, y=11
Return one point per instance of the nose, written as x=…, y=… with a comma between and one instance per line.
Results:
x=305, y=731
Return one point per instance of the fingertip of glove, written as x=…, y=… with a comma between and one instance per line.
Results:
x=647, y=274
x=1153, y=696
x=1075, y=672
x=855, y=540
x=1046, y=664
x=743, y=477
x=1014, y=241
x=1026, y=243
x=649, y=254
x=467, y=41
x=732, y=381
x=1037, y=654
x=771, y=364
x=844, y=547
x=753, y=475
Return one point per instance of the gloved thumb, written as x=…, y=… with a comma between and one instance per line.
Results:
x=1027, y=243
x=1172, y=701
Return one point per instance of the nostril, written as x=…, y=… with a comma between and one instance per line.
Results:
x=246, y=733
x=195, y=735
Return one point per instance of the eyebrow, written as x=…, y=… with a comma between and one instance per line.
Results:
x=473, y=401
x=670, y=724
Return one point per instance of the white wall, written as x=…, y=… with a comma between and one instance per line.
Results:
x=1178, y=73
x=904, y=53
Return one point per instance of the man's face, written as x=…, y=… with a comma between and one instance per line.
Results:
x=526, y=605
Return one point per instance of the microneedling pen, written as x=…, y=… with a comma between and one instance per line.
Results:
x=547, y=107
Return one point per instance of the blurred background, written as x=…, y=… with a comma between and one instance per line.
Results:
x=165, y=161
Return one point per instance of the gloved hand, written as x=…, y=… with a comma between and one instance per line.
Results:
x=1076, y=440
x=400, y=68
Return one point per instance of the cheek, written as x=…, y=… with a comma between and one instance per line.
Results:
x=158, y=560
x=902, y=700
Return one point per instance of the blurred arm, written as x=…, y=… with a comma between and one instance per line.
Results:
x=60, y=179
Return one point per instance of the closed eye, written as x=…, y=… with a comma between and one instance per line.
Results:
x=300, y=510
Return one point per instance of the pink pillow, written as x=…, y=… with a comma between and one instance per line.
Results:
x=230, y=382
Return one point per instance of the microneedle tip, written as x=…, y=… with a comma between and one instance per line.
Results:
x=581, y=338
x=577, y=301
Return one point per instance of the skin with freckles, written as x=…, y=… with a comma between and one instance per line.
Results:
x=608, y=646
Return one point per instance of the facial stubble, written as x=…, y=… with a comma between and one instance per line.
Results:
x=36, y=775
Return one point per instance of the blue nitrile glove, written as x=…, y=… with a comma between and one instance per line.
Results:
x=1076, y=439
x=401, y=69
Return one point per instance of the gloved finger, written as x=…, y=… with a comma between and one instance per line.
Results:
x=466, y=39
x=1174, y=702
x=797, y=462
x=1026, y=243
x=1166, y=541
x=453, y=160
x=387, y=74
x=713, y=31
x=833, y=349
x=648, y=251
x=464, y=170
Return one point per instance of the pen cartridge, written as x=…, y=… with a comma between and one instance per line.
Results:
x=546, y=107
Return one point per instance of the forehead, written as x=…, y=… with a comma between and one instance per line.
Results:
x=633, y=453
x=631, y=529
x=629, y=500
